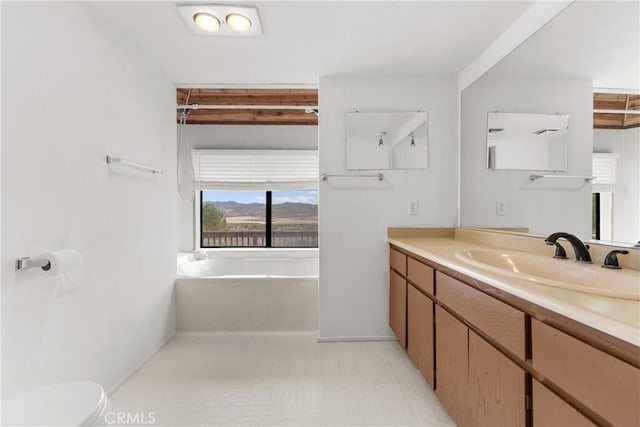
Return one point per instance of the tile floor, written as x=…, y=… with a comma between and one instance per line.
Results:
x=280, y=379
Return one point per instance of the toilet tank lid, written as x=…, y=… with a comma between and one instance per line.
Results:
x=72, y=403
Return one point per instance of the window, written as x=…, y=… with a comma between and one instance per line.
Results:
x=257, y=198
x=604, y=169
x=282, y=218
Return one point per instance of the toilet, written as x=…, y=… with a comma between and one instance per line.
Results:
x=74, y=403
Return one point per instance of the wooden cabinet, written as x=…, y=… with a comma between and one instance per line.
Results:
x=420, y=332
x=608, y=386
x=398, y=261
x=551, y=411
x=421, y=275
x=452, y=366
x=398, y=307
x=502, y=322
x=477, y=384
x=496, y=386
x=479, y=347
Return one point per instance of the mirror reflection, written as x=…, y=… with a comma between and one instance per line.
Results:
x=521, y=141
x=585, y=64
x=386, y=140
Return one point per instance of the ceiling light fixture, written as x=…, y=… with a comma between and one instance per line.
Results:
x=221, y=20
x=206, y=22
x=238, y=22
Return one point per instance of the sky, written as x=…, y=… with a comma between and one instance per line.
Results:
x=282, y=196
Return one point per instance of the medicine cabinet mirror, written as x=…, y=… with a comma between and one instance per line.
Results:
x=517, y=141
x=386, y=140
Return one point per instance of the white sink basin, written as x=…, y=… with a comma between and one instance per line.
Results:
x=567, y=274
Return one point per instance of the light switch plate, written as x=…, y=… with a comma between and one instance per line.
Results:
x=501, y=207
x=413, y=207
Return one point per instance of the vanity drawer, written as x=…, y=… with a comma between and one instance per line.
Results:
x=421, y=275
x=398, y=261
x=609, y=386
x=551, y=411
x=498, y=320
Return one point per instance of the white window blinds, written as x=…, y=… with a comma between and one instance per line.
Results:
x=604, y=171
x=255, y=169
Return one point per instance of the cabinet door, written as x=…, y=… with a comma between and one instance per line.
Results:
x=551, y=411
x=452, y=374
x=608, y=386
x=496, y=386
x=398, y=307
x=420, y=331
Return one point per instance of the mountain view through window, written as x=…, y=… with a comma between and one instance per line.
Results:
x=283, y=218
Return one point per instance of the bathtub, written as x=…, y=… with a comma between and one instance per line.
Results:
x=251, y=263
x=247, y=290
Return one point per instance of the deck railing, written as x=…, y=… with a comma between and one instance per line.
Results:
x=306, y=239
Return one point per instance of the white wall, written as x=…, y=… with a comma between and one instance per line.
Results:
x=626, y=199
x=544, y=206
x=237, y=137
x=73, y=91
x=355, y=213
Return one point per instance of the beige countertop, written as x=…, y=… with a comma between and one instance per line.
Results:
x=619, y=318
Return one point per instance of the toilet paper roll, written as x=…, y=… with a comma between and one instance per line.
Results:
x=67, y=267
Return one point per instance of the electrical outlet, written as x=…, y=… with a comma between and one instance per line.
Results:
x=501, y=207
x=413, y=207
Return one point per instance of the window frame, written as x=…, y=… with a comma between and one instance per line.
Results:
x=268, y=226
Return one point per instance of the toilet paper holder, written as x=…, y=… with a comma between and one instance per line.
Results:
x=28, y=262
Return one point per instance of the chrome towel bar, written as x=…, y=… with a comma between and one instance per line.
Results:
x=326, y=176
x=129, y=163
x=537, y=177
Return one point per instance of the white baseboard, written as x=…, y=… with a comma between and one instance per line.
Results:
x=356, y=339
x=220, y=333
x=133, y=371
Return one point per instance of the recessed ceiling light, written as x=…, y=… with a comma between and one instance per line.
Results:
x=221, y=20
x=206, y=22
x=238, y=22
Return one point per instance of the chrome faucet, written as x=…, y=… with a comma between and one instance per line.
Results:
x=581, y=250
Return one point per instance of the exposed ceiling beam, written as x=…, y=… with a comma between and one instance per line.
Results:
x=265, y=106
x=616, y=110
x=251, y=117
x=246, y=107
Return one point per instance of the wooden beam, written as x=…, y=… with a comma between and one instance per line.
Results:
x=616, y=101
x=609, y=101
x=626, y=107
x=252, y=117
x=289, y=97
x=633, y=121
x=615, y=121
x=248, y=97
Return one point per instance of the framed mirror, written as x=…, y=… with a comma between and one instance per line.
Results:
x=387, y=140
x=521, y=141
x=589, y=49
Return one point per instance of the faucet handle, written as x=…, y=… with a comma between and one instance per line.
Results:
x=560, y=252
x=611, y=260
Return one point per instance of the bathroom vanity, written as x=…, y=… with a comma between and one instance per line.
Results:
x=504, y=350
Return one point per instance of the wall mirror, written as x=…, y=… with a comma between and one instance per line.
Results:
x=590, y=47
x=522, y=141
x=387, y=140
